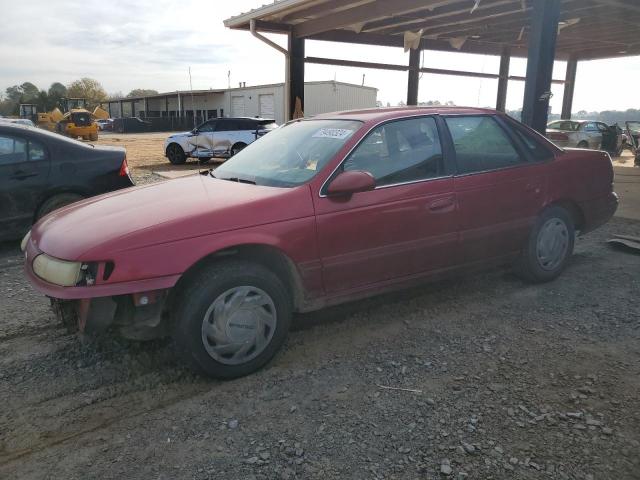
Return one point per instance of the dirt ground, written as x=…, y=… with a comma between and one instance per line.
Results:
x=145, y=155
x=483, y=377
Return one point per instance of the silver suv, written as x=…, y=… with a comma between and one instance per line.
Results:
x=218, y=137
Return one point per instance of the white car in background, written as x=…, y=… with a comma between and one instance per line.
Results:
x=218, y=137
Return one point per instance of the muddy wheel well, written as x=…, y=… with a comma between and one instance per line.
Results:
x=574, y=210
x=270, y=257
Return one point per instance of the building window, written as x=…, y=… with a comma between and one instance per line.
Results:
x=212, y=113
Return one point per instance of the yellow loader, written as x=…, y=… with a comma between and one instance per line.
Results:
x=76, y=122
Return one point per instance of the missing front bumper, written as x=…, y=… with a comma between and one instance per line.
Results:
x=138, y=316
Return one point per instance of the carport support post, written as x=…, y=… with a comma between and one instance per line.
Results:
x=503, y=79
x=296, y=75
x=413, y=76
x=569, y=85
x=179, y=113
x=166, y=105
x=120, y=106
x=542, y=48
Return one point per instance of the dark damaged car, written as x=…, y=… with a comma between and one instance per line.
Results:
x=41, y=171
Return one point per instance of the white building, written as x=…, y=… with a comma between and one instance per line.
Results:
x=265, y=101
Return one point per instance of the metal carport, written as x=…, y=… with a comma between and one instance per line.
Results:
x=540, y=30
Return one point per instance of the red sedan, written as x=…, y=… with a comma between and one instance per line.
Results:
x=320, y=211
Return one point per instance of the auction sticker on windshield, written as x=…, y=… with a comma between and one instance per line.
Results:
x=339, y=133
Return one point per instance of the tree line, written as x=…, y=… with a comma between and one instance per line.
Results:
x=46, y=100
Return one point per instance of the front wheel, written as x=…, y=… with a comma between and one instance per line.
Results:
x=583, y=144
x=549, y=246
x=175, y=154
x=232, y=319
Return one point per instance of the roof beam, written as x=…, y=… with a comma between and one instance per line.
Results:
x=402, y=68
x=471, y=46
x=323, y=7
x=360, y=15
x=421, y=15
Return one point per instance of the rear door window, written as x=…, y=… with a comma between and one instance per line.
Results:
x=534, y=146
x=227, y=126
x=37, y=152
x=481, y=144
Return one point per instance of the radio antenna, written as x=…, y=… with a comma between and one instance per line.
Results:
x=193, y=112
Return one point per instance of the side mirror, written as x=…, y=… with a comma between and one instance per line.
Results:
x=353, y=181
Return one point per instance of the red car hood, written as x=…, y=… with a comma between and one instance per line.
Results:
x=164, y=212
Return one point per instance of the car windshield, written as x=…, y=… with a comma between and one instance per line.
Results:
x=289, y=155
x=565, y=125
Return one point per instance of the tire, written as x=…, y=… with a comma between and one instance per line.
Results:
x=56, y=202
x=583, y=144
x=93, y=137
x=533, y=265
x=213, y=289
x=175, y=154
x=237, y=147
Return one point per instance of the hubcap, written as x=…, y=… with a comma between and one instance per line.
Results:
x=239, y=325
x=552, y=244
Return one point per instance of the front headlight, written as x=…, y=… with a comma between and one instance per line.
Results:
x=58, y=272
x=25, y=240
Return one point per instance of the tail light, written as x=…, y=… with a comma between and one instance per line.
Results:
x=124, y=168
x=558, y=136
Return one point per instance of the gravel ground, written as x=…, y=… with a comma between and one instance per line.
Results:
x=145, y=155
x=483, y=377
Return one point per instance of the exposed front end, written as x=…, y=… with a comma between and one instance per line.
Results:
x=84, y=301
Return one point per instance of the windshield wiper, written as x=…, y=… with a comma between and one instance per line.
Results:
x=239, y=180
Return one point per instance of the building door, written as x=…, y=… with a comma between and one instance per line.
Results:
x=237, y=106
x=267, y=106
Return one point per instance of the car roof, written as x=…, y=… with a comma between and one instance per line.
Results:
x=241, y=118
x=373, y=114
x=18, y=127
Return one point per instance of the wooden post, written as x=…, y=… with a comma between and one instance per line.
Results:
x=541, y=54
x=503, y=79
x=413, y=76
x=296, y=78
x=569, y=85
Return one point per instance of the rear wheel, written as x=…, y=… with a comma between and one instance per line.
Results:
x=583, y=144
x=56, y=202
x=175, y=154
x=232, y=319
x=93, y=137
x=549, y=246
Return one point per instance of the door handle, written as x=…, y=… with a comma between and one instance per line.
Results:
x=21, y=175
x=442, y=205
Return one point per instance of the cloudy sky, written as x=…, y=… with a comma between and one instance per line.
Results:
x=152, y=44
